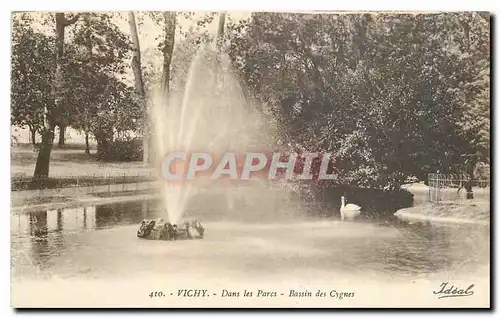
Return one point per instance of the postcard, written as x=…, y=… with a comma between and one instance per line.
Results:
x=250, y=160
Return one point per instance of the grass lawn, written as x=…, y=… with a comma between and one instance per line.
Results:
x=42, y=200
x=70, y=161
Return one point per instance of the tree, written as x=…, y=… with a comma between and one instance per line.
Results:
x=31, y=76
x=474, y=54
x=52, y=113
x=193, y=36
x=102, y=104
x=185, y=50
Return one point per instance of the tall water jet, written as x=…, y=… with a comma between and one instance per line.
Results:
x=211, y=116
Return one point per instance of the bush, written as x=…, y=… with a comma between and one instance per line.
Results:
x=120, y=150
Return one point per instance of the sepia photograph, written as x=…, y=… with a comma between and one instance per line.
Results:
x=225, y=159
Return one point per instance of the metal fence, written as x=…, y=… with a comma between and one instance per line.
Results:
x=457, y=188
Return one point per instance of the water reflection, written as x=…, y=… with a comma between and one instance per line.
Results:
x=39, y=237
x=45, y=223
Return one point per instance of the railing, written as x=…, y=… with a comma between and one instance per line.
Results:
x=457, y=188
x=104, y=184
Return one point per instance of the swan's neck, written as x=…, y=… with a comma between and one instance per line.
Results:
x=342, y=207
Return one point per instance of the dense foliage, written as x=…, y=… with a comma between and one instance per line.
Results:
x=392, y=96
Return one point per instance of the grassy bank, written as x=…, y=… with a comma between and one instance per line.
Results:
x=468, y=212
x=26, y=183
x=70, y=166
x=70, y=161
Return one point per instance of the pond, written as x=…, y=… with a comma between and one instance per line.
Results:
x=100, y=242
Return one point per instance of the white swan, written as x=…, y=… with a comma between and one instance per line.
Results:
x=349, y=211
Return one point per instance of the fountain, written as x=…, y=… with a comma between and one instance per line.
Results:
x=211, y=116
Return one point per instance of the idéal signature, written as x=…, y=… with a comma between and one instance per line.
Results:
x=453, y=291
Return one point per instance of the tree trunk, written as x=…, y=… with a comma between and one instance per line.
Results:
x=43, y=160
x=33, y=136
x=469, y=194
x=168, y=48
x=139, y=86
x=220, y=35
x=219, y=77
x=468, y=185
x=87, y=147
x=220, y=30
x=136, y=58
x=62, y=130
